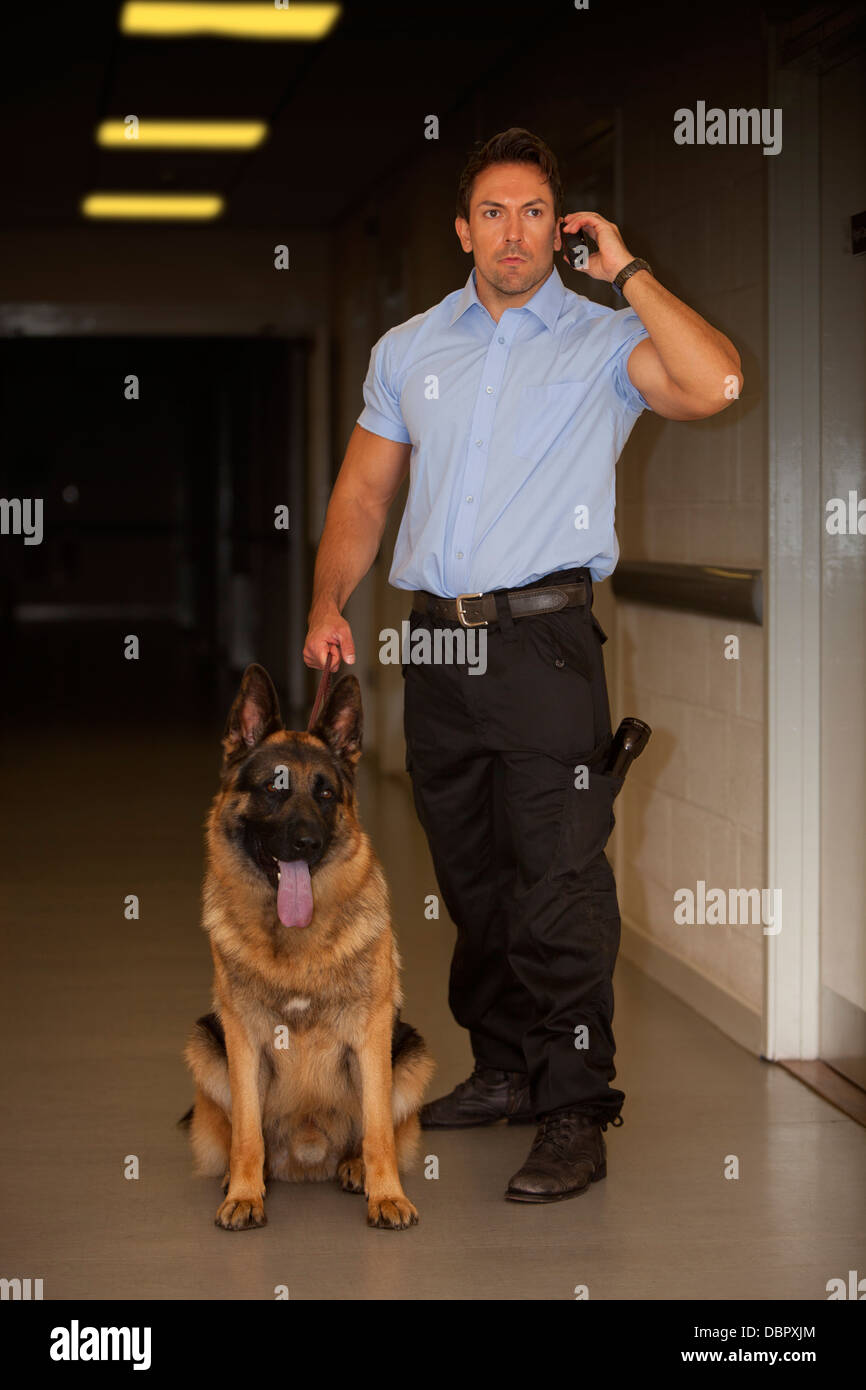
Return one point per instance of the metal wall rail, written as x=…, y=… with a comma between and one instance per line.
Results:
x=721, y=591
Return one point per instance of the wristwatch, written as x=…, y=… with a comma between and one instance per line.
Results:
x=630, y=269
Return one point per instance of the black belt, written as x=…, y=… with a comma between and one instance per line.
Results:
x=477, y=610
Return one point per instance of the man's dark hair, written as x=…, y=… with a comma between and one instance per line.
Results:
x=512, y=146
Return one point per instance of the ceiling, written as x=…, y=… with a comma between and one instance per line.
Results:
x=343, y=112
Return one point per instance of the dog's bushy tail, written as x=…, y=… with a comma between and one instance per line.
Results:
x=210, y=1027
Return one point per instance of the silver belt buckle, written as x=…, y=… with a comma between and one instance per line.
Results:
x=464, y=621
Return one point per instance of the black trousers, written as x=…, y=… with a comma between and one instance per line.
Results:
x=517, y=834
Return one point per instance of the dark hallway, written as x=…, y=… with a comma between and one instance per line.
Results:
x=219, y=249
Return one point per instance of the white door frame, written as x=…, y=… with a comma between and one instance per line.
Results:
x=793, y=570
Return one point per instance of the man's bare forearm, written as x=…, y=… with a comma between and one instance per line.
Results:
x=696, y=356
x=349, y=545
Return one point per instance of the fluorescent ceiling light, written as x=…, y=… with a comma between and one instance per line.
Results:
x=193, y=135
x=138, y=18
x=165, y=206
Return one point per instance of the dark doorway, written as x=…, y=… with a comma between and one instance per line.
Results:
x=159, y=522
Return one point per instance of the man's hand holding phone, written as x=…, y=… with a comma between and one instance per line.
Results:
x=594, y=245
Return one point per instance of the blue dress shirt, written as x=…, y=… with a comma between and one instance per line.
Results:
x=515, y=429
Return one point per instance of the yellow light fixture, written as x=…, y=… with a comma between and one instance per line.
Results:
x=198, y=207
x=193, y=135
x=138, y=19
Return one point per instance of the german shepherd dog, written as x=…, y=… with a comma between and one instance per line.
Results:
x=304, y=1071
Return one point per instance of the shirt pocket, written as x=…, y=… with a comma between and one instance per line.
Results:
x=544, y=412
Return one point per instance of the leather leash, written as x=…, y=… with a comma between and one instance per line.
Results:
x=322, y=692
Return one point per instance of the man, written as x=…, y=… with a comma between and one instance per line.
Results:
x=512, y=400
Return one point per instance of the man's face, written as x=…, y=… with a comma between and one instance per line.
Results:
x=511, y=230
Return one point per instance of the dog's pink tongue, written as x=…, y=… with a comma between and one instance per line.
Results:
x=295, y=894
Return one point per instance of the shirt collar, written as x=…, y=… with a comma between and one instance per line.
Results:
x=546, y=303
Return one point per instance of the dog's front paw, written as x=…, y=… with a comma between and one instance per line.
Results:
x=241, y=1213
x=391, y=1213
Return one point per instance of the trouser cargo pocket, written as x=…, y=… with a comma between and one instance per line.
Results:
x=587, y=814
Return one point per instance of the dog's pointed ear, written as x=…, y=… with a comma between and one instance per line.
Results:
x=340, y=724
x=254, y=714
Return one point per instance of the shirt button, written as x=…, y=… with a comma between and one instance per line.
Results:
x=479, y=442
x=500, y=340
x=490, y=390
x=460, y=555
x=468, y=499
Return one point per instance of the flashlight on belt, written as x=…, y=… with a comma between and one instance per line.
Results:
x=629, y=741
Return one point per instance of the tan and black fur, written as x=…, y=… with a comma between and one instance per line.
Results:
x=341, y=1100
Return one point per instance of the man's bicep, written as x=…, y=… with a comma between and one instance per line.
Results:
x=647, y=374
x=374, y=468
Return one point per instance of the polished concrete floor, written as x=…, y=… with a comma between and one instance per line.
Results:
x=96, y=1010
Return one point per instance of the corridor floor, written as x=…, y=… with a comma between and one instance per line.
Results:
x=96, y=1010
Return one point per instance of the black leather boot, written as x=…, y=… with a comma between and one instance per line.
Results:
x=567, y=1154
x=487, y=1096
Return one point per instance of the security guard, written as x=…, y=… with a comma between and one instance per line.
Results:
x=510, y=402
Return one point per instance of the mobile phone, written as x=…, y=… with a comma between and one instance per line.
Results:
x=572, y=241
